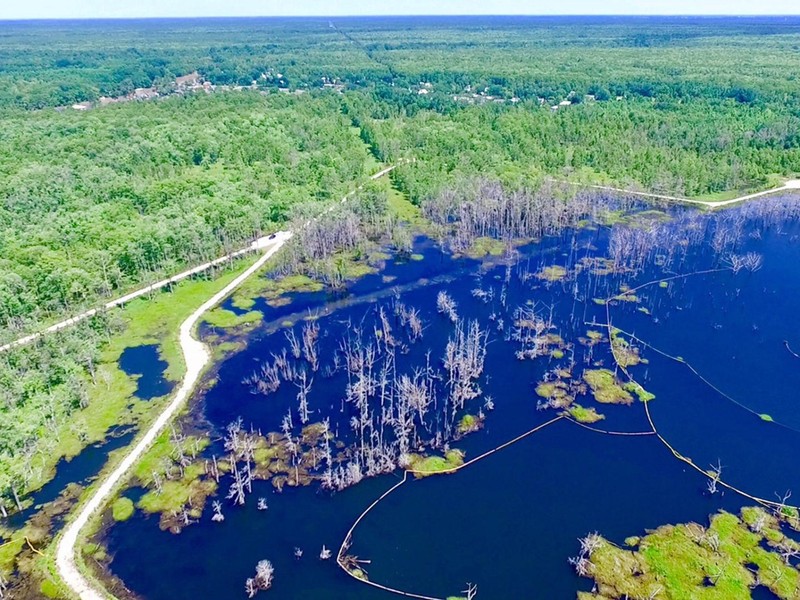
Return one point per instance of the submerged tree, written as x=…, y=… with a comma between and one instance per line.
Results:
x=262, y=580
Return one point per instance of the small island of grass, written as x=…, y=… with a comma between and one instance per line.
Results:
x=727, y=559
x=424, y=466
x=584, y=415
x=606, y=388
x=122, y=509
x=552, y=274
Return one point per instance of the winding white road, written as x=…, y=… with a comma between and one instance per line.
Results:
x=196, y=357
x=793, y=184
x=257, y=245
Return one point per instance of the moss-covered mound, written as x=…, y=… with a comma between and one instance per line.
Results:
x=606, y=388
x=726, y=560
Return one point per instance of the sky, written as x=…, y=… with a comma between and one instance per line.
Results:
x=87, y=9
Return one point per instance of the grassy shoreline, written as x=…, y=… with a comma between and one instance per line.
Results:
x=153, y=320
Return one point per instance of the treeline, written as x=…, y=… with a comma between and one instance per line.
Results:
x=695, y=148
x=42, y=386
x=95, y=202
x=749, y=61
x=60, y=63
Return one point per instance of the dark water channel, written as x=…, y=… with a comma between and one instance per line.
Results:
x=148, y=368
x=509, y=522
x=81, y=469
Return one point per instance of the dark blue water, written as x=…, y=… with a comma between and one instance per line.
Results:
x=145, y=365
x=393, y=273
x=80, y=469
x=509, y=522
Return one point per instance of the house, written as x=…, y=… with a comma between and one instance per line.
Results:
x=144, y=93
x=191, y=80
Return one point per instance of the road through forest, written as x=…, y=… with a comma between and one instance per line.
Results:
x=792, y=184
x=196, y=357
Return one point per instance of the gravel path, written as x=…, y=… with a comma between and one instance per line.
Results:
x=196, y=357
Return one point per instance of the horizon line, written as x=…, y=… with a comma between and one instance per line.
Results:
x=396, y=16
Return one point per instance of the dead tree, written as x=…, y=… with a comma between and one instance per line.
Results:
x=263, y=579
x=310, y=336
x=304, y=387
x=715, y=474
x=463, y=361
x=780, y=510
x=294, y=343
x=218, y=516
x=751, y=261
x=240, y=483
x=447, y=306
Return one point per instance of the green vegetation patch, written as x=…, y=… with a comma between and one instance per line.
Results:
x=226, y=319
x=584, y=415
x=636, y=388
x=486, y=246
x=122, y=509
x=628, y=297
x=49, y=589
x=605, y=387
x=625, y=353
x=8, y=554
x=272, y=288
x=469, y=424
x=557, y=393
x=594, y=336
x=175, y=486
x=552, y=273
x=95, y=551
x=425, y=466
x=726, y=560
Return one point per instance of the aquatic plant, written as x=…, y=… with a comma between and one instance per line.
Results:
x=469, y=424
x=584, y=415
x=552, y=274
x=122, y=509
x=605, y=387
x=424, y=466
x=727, y=559
x=625, y=353
x=636, y=388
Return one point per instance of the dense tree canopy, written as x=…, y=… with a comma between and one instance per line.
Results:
x=91, y=202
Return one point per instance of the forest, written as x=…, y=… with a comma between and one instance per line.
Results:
x=749, y=60
x=94, y=203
